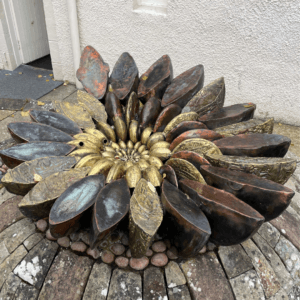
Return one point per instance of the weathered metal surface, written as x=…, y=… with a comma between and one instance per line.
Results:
x=197, y=145
x=205, y=134
x=232, y=221
x=133, y=176
x=55, y=120
x=38, y=202
x=183, y=127
x=263, y=145
x=272, y=168
x=192, y=157
x=17, y=154
x=93, y=72
x=229, y=115
x=111, y=206
x=155, y=80
x=270, y=199
x=33, y=132
x=184, y=223
x=152, y=175
x=107, y=130
x=168, y=172
x=92, y=105
x=12, y=104
x=74, y=112
x=149, y=113
x=184, y=169
x=69, y=207
x=247, y=127
x=132, y=109
x=211, y=97
x=166, y=116
x=145, y=217
x=124, y=78
x=22, y=178
x=184, y=87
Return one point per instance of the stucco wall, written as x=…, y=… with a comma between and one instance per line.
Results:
x=254, y=44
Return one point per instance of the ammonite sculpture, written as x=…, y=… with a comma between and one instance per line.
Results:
x=150, y=154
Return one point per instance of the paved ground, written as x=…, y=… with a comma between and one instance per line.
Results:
x=32, y=267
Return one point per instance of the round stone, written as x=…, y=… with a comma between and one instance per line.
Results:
x=49, y=236
x=117, y=249
x=203, y=250
x=139, y=263
x=107, y=257
x=79, y=247
x=42, y=225
x=121, y=261
x=128, y=253
x=85, y=237
x=159, y=260
x=159, y=246
x=125, y=240
x=172, y=253
x=95, y=253
x=149, y=252
x=64, y=242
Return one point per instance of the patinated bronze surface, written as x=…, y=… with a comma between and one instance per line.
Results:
x=229, y=115
x=270, y=199
x=184, y=87
x=31, y=132
x=210, y=98
x=149, y=113
x=132, y=109
x=19, y=153
x=192, y=157
x=55, y=120
x=93, y=72
x=232, y=221
x=191, y=116
x=263, y=145
x=169, y=174
x=124, y=78
x=184, y=223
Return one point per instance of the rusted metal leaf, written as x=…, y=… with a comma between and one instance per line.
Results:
x=263, y=145
x=272, y=168
x=184, y=223
x=270, y=199
x=205, y=134
x=184, y=87
x=145, y=217
x=229, y=115
x=149, y=113
x=211, y=97
x=70, y=206
x=165, y=117
x=132, y=109
x=111, y=206
x=192, y=157
x=93, y=72
x=183, y=127
x=55, y=120
x=17, y=154
x=33, y=132
x=38, y=202
x=169, y=174
x=23, y=178
x=232, y=221
x=155, y=80
x=124, y=78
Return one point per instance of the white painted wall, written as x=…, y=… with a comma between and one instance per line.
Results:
x=254, y=44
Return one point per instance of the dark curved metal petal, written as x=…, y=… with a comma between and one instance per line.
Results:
x=149, y=113
x=113, y=106
x=194, y=158
x=132, y=109
x=168, y=172
x=232, y=221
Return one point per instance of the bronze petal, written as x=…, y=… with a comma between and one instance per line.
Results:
x=232, y=221
x=168, y=172
x=184, y=87
x=132, y=109
x=149, y=113
x=113, y=106
x=194, y=158
x=184, y=223
x=270, y=199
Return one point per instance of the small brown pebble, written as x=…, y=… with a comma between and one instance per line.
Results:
x=172, y=253
x=121, y=261
x=210, y=246
x=41, y=225
x=149, y=252
x=203, y=250
x=168, y=244
x=117, y=249
x=85, y=237
x=79, y=246
x=95, y=253
x=139, y=263
x=159, y=260
x=49, y=236
x=107, y=257
x=125, y=240
x=64, y=242
x=128, y=253
x=159, y=246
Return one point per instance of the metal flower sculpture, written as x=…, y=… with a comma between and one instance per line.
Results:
x=152, y=153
